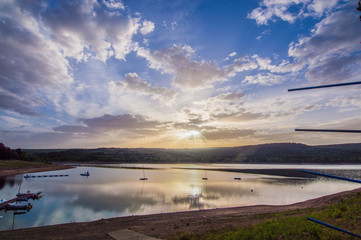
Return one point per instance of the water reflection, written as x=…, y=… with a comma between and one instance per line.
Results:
x=113, y=192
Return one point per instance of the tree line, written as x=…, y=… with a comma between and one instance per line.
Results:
x=6, y=153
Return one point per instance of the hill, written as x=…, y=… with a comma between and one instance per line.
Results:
x=263, y=153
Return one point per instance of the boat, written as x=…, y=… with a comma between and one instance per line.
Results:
x=2, y=204
x=85, y=174
x=19, y=213
x=1, y=217
x=143, y=178
x=18, y=206
x=19, y=194
x=237, y=178
x=26, y=196
x=38, y=195
x=205, y=176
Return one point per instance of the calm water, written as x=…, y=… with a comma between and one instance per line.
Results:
x=114, y=192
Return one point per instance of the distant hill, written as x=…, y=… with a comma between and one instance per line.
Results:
x=264, y=153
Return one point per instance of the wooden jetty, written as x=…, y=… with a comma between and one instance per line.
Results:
x=40, y=176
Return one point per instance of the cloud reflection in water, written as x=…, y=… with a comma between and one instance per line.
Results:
x=118, y=192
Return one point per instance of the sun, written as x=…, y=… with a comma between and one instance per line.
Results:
x=192, y=134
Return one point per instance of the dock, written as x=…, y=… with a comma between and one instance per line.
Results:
x=43, y=176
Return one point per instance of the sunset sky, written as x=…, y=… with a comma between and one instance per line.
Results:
x=177, y=73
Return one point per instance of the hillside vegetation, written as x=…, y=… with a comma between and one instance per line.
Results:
x=264, y=153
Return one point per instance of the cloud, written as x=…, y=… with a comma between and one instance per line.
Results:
x=108, y=122
x=147, y=27
x=289, y=11
x=268, y=79
x=351, y=102
x=15, y=104
x=264, y=33
x=83, y=29
x=132, y=83
x=319, y=7
x=271, y=9
x=188, y=73
x=222, y=134
x=333, y=47
x=232, y=54
x=220, y=109
x=40, y=41
x=71, y=129
x=114, y=4
x=231, y=96
x=191, y=74
x=29, y=62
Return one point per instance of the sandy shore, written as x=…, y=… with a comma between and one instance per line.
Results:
x=174, y=225
x=32, y=169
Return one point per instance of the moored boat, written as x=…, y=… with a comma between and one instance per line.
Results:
x=18, y=206
x=85, y=174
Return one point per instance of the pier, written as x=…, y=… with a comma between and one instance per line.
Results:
x=42, y=176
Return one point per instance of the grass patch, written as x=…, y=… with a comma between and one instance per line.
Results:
x=17, y=164
x=345, y=214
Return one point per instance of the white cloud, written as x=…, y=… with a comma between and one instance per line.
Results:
x=147, y=27
x=83, y=29
x=114, y=4
x=38, y=43
x=271, y=10
x=264, y=33
x=268, y=79
x=188, y=73
x=332, y=50
x=232, y=54
x=29, y=62
x=319, y=7
x=132, y=83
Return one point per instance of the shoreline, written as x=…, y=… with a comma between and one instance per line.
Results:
x=174, y=225
x=167, y=225
x=32, y=169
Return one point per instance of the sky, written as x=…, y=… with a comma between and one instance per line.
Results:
x=177, y=73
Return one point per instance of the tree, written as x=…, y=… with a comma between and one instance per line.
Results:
x=7, y=153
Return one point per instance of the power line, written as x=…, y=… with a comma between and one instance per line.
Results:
x=327, y=130
x=325, y=86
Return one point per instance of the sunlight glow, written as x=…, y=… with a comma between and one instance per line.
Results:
x=192, y=134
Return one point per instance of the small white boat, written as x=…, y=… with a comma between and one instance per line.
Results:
x=85, y=174
x=1, y=217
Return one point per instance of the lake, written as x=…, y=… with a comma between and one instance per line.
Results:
x=115, y=190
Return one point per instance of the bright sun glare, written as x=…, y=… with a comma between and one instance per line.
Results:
x=193, y=134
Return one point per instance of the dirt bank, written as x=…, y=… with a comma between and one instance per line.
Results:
x=32, y=169
x=174, y=225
